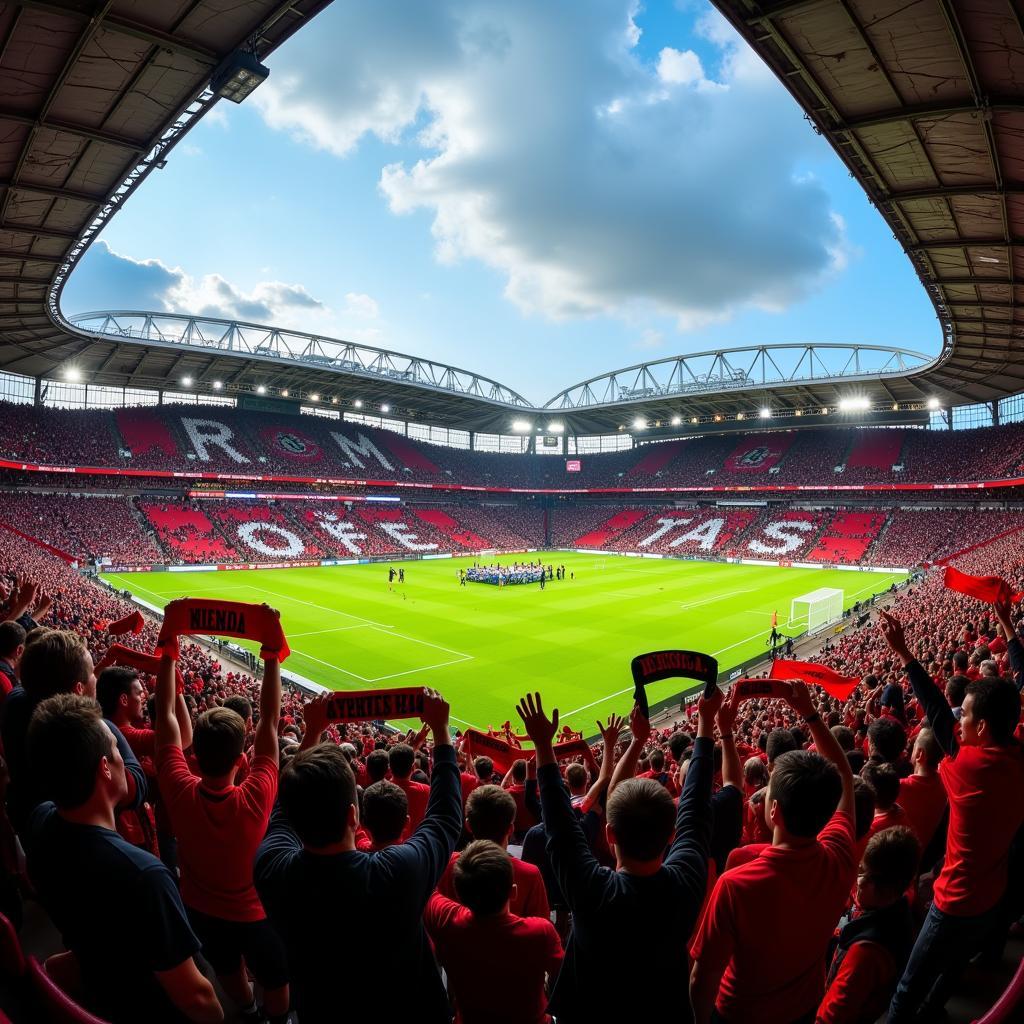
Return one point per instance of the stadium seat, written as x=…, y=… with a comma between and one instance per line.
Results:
x=12, y=959
x=1009, y=1008
x=52, y=1002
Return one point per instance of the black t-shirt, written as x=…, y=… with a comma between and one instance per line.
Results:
x=117, y=909
x=892, y=698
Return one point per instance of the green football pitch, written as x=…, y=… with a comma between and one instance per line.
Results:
x=482, y=647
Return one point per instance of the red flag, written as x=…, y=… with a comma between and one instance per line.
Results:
x=985, y=588
x=132, y=623
x=839, y=686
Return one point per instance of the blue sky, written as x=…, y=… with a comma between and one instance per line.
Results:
x=539, y=191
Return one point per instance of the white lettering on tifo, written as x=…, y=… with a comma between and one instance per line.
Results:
x=664, y=526
x=399, y=532
x=206, y=434
x=784, y=533
x=362, y=446
x=706, y=534
x=250, y=534
x=341, y=530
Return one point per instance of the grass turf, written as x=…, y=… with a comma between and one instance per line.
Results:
x=483, y=647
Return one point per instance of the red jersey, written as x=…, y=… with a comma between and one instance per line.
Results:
x=530, y=898
x=142, y=741
x=983, y=785
x=469, y=782
x=776, y=982
x=862, y=987
x=417, y=793
x=218, y=833
x=882, y=820
x=923, y=797
x=524, y=819
x=495, y=965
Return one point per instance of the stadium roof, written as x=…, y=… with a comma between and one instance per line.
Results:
x=922, y=102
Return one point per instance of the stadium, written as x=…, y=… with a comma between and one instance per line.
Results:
x=833, y=533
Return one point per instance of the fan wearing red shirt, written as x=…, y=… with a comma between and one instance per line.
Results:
x=922, y=794
x=122, y=697
x=873, y=947
x=803, y=878
x=515, y=783
x=490, y=815
x=219, y=827
x=885, y=784
x=402, y=760
x=983, y=774
x=486, y=949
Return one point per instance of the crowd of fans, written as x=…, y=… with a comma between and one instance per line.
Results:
x=800, y=858
x=217, y=439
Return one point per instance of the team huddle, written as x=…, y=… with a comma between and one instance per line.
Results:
x=509, y=575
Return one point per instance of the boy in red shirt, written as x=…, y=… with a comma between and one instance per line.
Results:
x=490, y=814
x=874, y=946
x=486, y=949
x=983, y=774
x=922, y=794
x=219, y=827
x=402, y=759
x=804, y=877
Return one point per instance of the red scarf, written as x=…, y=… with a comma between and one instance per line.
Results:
x=193, y=615
x=139, y=660
x=476, y=743
x=985, y=588
x=132, y=623
x=746, y=689
x=838, y=686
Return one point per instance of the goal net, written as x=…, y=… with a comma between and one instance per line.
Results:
x=817, y=609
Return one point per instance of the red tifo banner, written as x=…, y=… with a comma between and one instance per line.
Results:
x=189, y=616
x=838, y=686
x=985, y=588
x=479, y=744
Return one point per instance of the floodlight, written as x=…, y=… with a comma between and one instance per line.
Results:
x=639, y=423
x=217, y=385
x=314, y=398
x=556, y=428
x=261, y=389
x=854, y=403
x=73, y=373
x=284, y=392
x=676, y=420
x=522, y=426
x=799, y=412
x=739, y=416
x=186, y=382
x=693, y=420
x=385, y=408
x=895, y=407
x=238, y=76
x=933, y=403
x=766, y=414
x=358, y=403
x=334, y=400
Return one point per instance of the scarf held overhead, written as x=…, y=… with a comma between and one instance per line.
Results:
x=990, y=589
x=658, y=665
x=838, y=686
x=118, y=654
x=190, y=616
x=376, y=705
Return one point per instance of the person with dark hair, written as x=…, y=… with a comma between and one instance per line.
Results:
x=756, y=828
x=515, y=783
x=122, y=698
x=139, y=961
x=385, y=815
x=490, y=815
x=219, y=826
x=613, y=906
x=496, y=961
x=484, y=769
x=885, y=784
x=887, y=741
x=983, y=774
x=12, y=647
x=780, y=741
x=378, y=766
x=54, y=662
x=892, y=702
x=805, y=875
x=873, y=947
x=956, y=690
x=309, y=857
x=402, y=761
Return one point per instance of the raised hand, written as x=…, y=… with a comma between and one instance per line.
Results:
x=610, y=732
x=639, y=725
x=892, y=630
x=727, y=715
x=314, y=714
x=539, y=727
x=435, y=715
x=799, y=699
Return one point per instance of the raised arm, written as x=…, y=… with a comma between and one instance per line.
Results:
x=1014, y=648
x=933, y=700
x=610, y=735
x=827, y=745
x=168, y=734
x=314, y=718
x=640, y=726
x=265, y=744
x=732, y=768
x=574, y=864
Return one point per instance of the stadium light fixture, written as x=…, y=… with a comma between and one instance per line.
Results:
x=895, y=406
x=854, y=403
x=933, y=403
x=238, y=76
x=186, y=382
x=718, y=419
x=314, y=398
x=693, y=419
x=824, y=410
x=766, y=414
x=556, y=428
x=639, y=423
x=334, y=400
x=284, y=392
x=522, y=426
x=261, y=389
x=799, y=412
x=740, y=416
x=73, y=374
x=385, y=408
x=217, y=385
x=676, y=421
x=358, y=403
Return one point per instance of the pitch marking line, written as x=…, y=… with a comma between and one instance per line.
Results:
x=720, y=597
x=336, y=629
x=323, y=608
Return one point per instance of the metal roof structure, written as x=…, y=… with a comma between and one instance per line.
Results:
x=923, y=102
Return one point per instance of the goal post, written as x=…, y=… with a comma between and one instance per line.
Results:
x=817, y=609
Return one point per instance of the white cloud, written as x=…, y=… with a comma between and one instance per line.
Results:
x=595, y=182
x=110, y=280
